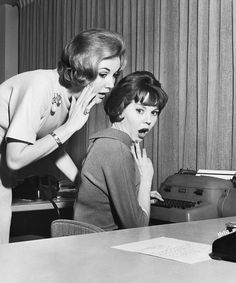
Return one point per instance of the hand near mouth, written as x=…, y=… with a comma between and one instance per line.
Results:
x=79, y=109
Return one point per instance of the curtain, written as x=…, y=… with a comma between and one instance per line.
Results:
x=190, y=47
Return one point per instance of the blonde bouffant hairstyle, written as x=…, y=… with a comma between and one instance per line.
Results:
x=78, y=65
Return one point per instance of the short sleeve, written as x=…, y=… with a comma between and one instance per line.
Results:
x=27, y=108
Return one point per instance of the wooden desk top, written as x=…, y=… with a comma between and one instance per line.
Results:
x=90, y=258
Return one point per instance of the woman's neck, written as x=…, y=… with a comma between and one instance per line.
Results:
x=119, y=126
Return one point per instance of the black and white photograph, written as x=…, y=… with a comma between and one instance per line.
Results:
x=118, y=141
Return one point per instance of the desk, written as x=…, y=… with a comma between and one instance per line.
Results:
x=29, y=205
x=90, y=258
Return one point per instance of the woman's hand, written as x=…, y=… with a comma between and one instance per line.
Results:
x=155, y=196
x=144, y=164
x=146, y=174
x=80, y=108
x=20, y=154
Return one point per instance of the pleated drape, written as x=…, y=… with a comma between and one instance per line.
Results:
x=190, y=46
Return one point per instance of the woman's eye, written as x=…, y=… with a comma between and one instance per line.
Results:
x=140, y=111
x=155, y=113
x=103, y=75
x=116, y=75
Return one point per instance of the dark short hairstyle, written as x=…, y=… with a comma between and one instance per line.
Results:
x=78, y=65
x=140, y=86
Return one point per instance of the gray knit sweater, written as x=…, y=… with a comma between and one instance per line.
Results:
x=107, y=195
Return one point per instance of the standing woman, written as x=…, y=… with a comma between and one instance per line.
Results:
x=42, y=109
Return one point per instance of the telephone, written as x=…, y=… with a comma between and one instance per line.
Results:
x=224, y=248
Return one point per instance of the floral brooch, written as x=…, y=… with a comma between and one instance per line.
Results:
x=56, y=102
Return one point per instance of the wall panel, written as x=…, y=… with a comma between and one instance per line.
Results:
x=190, y=47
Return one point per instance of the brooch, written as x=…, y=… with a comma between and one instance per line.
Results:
x=56, y=102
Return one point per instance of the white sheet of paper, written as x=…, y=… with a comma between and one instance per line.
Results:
x=170, y=248
x=222, y=174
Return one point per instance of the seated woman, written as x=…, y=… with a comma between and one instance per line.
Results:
x=117, y=175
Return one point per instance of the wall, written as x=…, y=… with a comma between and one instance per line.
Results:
x=190, y=46
x=2, y=43
x=9, y=41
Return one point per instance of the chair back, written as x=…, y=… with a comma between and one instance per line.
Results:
x=68, y=227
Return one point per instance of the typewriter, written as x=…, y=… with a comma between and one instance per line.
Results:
x=189, y=197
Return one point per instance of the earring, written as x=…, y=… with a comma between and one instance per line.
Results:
x=56, y=102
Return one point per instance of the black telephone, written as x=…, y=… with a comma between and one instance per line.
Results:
x=224, y=248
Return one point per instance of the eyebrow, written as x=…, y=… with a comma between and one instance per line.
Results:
x=105, y=68
x=155, y=109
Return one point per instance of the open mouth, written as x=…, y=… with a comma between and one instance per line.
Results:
x=142, y=132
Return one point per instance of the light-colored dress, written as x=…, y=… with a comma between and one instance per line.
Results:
x=32, y=104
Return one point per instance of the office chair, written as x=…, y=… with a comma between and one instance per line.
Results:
x=68, y=227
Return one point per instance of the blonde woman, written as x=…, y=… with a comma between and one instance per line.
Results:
x=42, y=109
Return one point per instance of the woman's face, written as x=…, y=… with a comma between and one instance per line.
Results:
x=138, y=120
x=107, y=74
